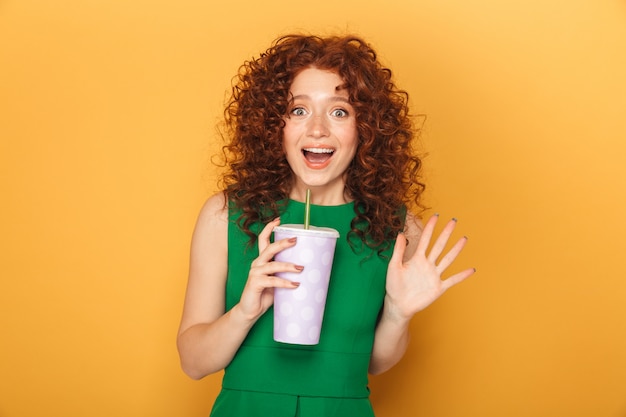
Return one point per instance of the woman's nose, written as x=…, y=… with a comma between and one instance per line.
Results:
x=318, y=127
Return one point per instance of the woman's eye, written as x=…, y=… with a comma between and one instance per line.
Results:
x=298, y=111
x=339, y=113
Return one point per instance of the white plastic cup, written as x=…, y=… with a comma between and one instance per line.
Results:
x=299, y=312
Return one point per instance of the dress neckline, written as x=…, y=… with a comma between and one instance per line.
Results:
x=349, y=204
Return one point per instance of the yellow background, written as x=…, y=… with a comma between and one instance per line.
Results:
x=107, y=126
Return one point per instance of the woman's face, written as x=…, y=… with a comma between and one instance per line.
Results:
x=320, y=136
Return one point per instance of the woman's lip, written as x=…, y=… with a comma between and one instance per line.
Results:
x=317, y=165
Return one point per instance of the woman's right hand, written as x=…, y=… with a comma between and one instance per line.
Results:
x=258, y=293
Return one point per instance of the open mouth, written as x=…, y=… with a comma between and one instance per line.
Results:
x=317, y=155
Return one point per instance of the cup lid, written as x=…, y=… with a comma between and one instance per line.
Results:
x=311, y=231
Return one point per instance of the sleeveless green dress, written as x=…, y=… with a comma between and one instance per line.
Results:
x=273, y=379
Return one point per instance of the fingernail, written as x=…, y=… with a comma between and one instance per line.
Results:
x=292, y=239
x=454, y=219
x=436, y=214
x=299, y=267
x=466, y=238
x=474, y=269
x=295, y=284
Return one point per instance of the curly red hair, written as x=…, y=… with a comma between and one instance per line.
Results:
x=383, y=177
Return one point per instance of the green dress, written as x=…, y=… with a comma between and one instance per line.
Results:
x=273, y=379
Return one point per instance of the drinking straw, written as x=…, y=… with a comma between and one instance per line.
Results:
x=307, y=209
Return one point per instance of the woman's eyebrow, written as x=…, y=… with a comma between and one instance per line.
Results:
x=333, y=98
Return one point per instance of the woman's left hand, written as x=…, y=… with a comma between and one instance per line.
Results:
x=416, y=282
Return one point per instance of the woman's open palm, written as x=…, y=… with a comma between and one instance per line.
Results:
x=415, y=283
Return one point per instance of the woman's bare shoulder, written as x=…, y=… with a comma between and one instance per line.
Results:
x=211, y=231
x=214, y=208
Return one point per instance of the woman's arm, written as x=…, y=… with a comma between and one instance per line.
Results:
x=413, y=283
x=208, y=338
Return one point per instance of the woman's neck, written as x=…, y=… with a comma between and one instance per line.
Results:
x=321, y=196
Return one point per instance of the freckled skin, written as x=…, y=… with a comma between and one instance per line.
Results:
x=321, y=118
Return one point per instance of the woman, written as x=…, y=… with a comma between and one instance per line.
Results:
x=320, y=114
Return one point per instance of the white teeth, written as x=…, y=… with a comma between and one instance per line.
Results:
x=318, y=150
